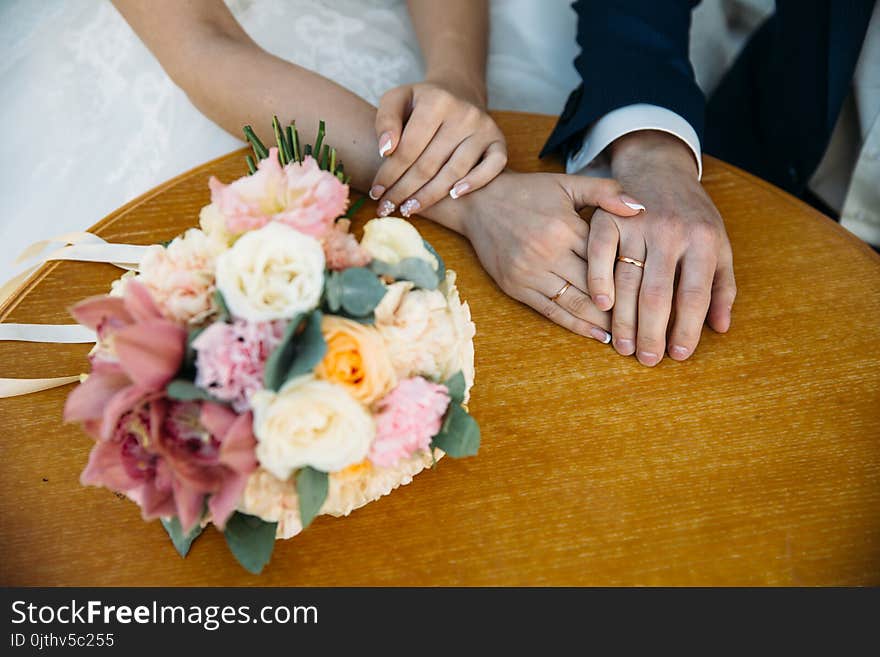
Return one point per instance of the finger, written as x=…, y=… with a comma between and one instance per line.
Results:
x=435, y=157
x=466, y=155
x=418, y=133
x=556, y=313
x=601, y=254
x=602, y=193
x=390, y=116
x=493, y=163
x=691, y=303
x=655, y=304
x=569, y=268
x=627, y=281
x=723, y=292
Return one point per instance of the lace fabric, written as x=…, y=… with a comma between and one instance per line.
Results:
x=93, y=121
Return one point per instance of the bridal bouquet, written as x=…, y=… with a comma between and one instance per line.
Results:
x=267, y=367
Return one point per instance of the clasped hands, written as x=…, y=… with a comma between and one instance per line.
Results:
x=440, y=147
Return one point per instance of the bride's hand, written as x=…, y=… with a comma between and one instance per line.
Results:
x=529, y=236
x=435, y=142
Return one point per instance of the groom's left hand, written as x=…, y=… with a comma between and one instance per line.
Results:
x=680, y=238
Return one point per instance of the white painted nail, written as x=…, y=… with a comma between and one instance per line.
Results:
x=384, y=143
x=459, y=189
x=634, y=206
x=602, y=336
x=376, y=192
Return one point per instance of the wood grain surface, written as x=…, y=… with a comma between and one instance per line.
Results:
x=757, y=461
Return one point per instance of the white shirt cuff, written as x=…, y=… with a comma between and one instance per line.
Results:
x=591, y=159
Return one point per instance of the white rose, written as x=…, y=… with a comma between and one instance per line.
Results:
x=391, y=239
x=271, y=273
x=310, y=422
x=428, y=332
x=213, y=224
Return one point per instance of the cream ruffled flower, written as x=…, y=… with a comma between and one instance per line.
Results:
x=274, y=500
x=274, y=272
x=180, y=277
x=391, y=239
x=213, y=224
x=310, y=423
x=429, y=333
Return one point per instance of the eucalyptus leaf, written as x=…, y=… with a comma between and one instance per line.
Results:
x=333, y=291
x=441, y=270
x=418, y=271
x=311, y=487
x=455, y=386
x=223, y=314
x=182, y=542
x=183, y=390
x=360, y=291
x=300, y=350
x=460, y=435
x=251, y=540
x=311, y=347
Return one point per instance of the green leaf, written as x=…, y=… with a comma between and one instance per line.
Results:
x=311, y=487
x=311, y=347
x=354, y=207
x=182, y=542
x=183, y=390
x=460, y=435
x=298, y=353
x=419, y=271
x=441, y=270
x=333, y=291
x=251, y=540
x=456, y=386
x=223, y=314
x=359, y=291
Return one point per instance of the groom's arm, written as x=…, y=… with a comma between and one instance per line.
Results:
x=635, y=75
x=639, y=107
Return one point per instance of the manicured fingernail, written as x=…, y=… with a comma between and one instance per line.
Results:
x=384, y=143
x=603, y=301
x=386, y=207
x=679, y=352
x=409, y=206
x=376, y=192
x=459, y=189
x=624, y=346
x=648, y=358
x=602, y=336
x=631, y=203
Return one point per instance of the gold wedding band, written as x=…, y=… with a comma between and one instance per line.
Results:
x=631, y=261
x=561, y=291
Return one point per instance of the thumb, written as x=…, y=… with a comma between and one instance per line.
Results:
x=390, y=116
x=603, y=193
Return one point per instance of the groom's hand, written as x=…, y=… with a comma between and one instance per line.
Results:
x=529, y=236
x=679, y=237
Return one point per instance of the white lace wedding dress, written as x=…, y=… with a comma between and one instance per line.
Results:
x=91, y=121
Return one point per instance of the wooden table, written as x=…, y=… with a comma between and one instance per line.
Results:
x=757, y=461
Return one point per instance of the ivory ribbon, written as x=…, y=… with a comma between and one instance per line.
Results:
x=81, y=246
x=57, y=333
x=16, y=387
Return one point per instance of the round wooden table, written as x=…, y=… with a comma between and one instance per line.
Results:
x=757, y=461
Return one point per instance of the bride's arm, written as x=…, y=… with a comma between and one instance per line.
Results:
x=453, y=36
x=234, y=82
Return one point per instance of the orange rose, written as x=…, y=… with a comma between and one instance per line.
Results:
x=356, y=359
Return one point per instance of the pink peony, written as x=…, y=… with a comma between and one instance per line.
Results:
x=300, y=195
x=231, y=358
x=409, y=417
x=341, y=249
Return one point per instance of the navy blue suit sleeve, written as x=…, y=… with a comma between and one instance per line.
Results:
x=632, y=51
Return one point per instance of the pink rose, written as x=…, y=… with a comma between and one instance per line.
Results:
x=409, y=417
x=341, y=249
x=303, y=196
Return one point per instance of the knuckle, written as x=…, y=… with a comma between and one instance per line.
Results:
x=580, y=305
x=423, y=168
x=628, y=277
x=653, y=296
x=704, y=234
x=550, y=310
x=693, y=297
